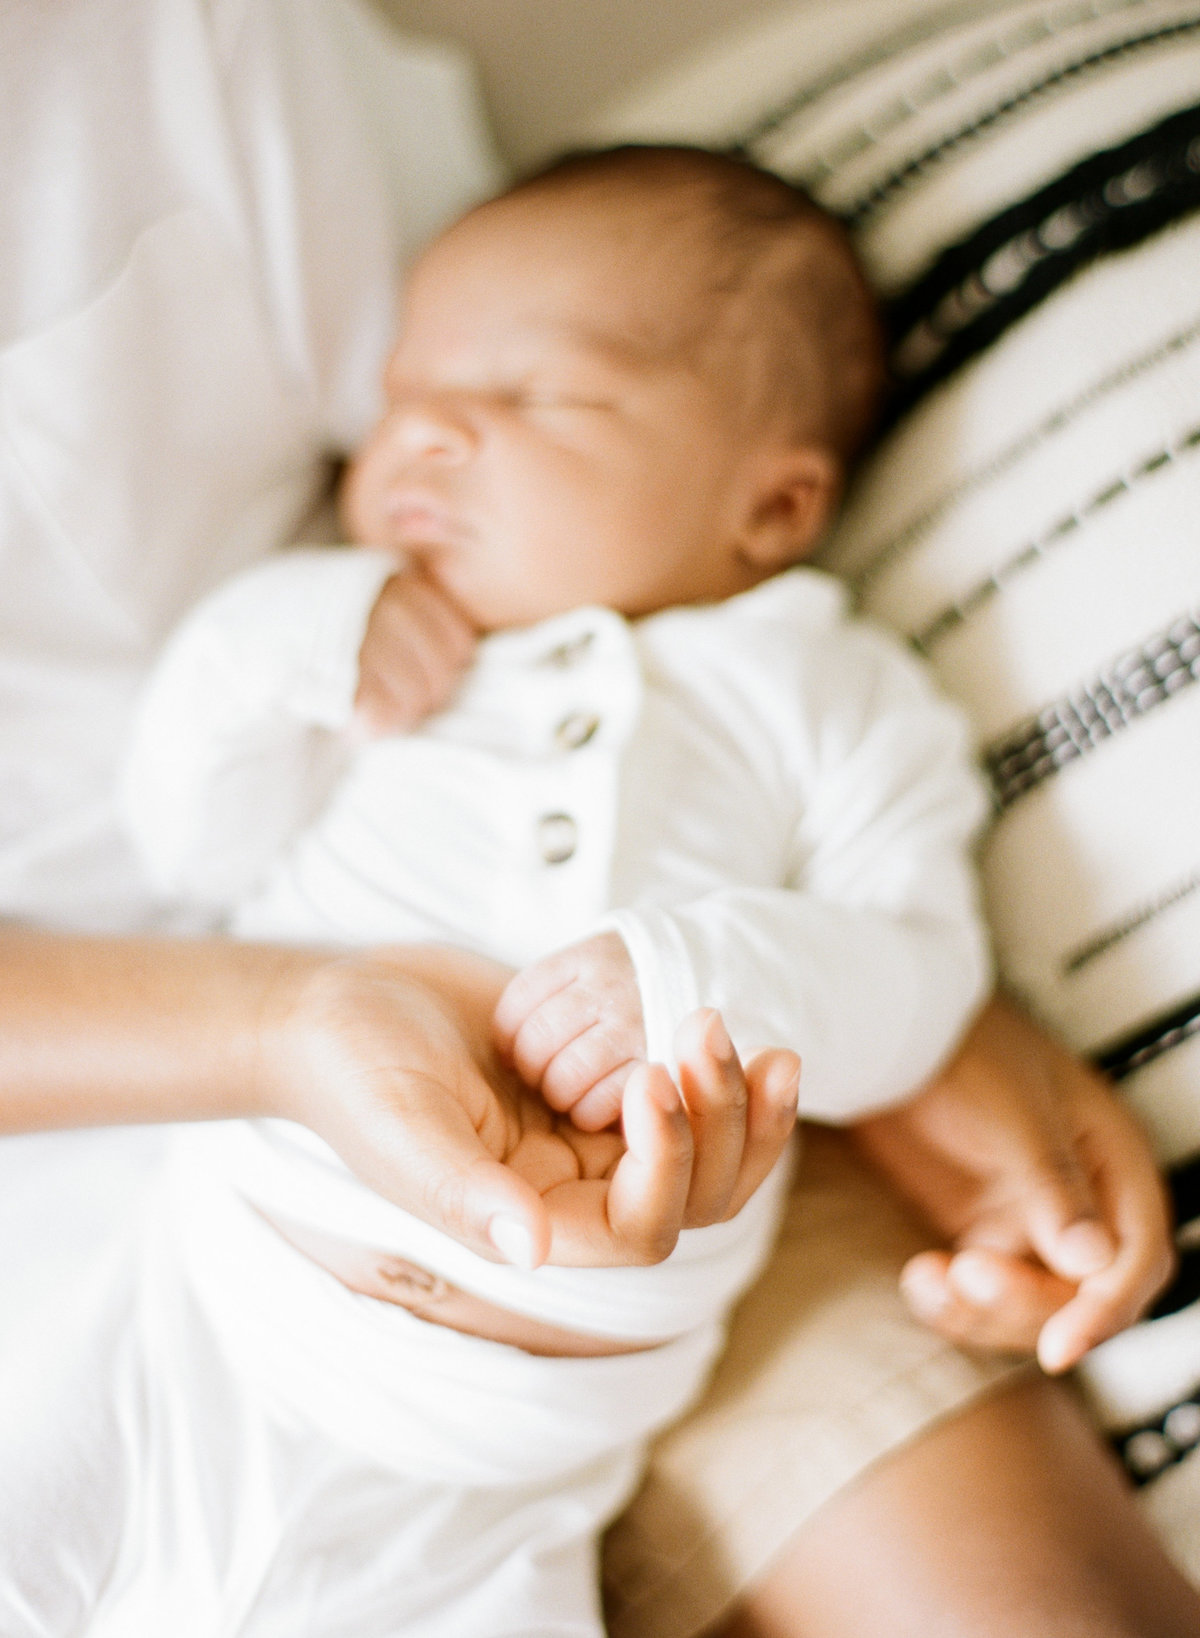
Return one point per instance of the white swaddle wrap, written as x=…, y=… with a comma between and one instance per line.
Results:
x=293, y=1175
x=302, y=1459
x=427, y=1402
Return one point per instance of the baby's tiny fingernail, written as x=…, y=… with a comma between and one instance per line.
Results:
x=512, y=1240
x=976, y=1279
x=1085, y=1248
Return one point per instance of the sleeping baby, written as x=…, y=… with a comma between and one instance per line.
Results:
x=570, y=706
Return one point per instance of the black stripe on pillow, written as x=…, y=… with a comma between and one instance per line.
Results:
x=1136, y=682
x=1119, y=1061
x=1152, y=1448
x=978, y=288
x=1149, y=1041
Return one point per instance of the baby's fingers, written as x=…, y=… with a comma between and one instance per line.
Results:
x=525, y=994
x=415, y=649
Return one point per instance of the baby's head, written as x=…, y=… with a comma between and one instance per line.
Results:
x=635, y=379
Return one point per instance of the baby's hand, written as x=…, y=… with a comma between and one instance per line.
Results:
x=416, y=648
x=571, y=1025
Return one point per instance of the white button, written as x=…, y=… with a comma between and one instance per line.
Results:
x=575, y=730
x=568, y=653
x=557, y=836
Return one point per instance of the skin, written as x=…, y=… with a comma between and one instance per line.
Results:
x=533, y=458
x=387, y=1056
x=1008, y=1519
x=555, y=435
x=390, y=1056
x=1053, y=1219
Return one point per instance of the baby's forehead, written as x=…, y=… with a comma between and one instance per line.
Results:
x=590, y=267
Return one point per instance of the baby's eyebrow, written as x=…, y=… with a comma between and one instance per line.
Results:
x=610, y=348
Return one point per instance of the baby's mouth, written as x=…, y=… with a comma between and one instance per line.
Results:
x=422, y=523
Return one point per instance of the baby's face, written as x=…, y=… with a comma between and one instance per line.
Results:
x=544, y=446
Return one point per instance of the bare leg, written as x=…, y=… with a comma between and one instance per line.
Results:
x=1008, y=1519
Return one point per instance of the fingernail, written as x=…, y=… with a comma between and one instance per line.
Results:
x=925, y=1295
x=788, y=1093
x=512, y=1240
x=717, y=1038
x=1053, y=1353
x=1085, y=1248
x=976, y=1279
x=663, y=1090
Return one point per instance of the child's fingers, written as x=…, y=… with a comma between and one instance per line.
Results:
x=773, y=1083
x=414, y=651
x=581, y=1067
x=549, y=1032
x=600, y=1106
x=525, y=992
x=393, y=697
x=450, y=633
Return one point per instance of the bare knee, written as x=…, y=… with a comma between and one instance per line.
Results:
x=1008, y=1519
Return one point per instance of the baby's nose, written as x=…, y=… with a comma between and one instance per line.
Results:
x=431, y=428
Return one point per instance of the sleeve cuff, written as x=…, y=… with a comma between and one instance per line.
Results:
x=339, y=587
x=664, y=973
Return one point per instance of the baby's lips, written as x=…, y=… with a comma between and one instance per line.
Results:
x=421, y=520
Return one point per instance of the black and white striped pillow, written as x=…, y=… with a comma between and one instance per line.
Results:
x=1023, y=178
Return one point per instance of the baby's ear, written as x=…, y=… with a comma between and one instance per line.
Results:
x=796, y=493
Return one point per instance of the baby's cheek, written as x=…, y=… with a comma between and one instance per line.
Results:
x=359, y=498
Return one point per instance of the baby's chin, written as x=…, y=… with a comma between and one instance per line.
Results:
x=496, y=608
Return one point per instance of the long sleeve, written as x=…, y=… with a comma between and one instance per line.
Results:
x=869, y=956
x=240, y=732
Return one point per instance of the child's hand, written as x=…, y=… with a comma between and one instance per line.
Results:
x=416, y=648
x=686, y=1156
x=571, y=1025
x=387, y=1056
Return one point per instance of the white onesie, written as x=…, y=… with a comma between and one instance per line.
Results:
x=769, y=804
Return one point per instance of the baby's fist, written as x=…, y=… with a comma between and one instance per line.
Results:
x=571, y=1025
x=416, y=648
